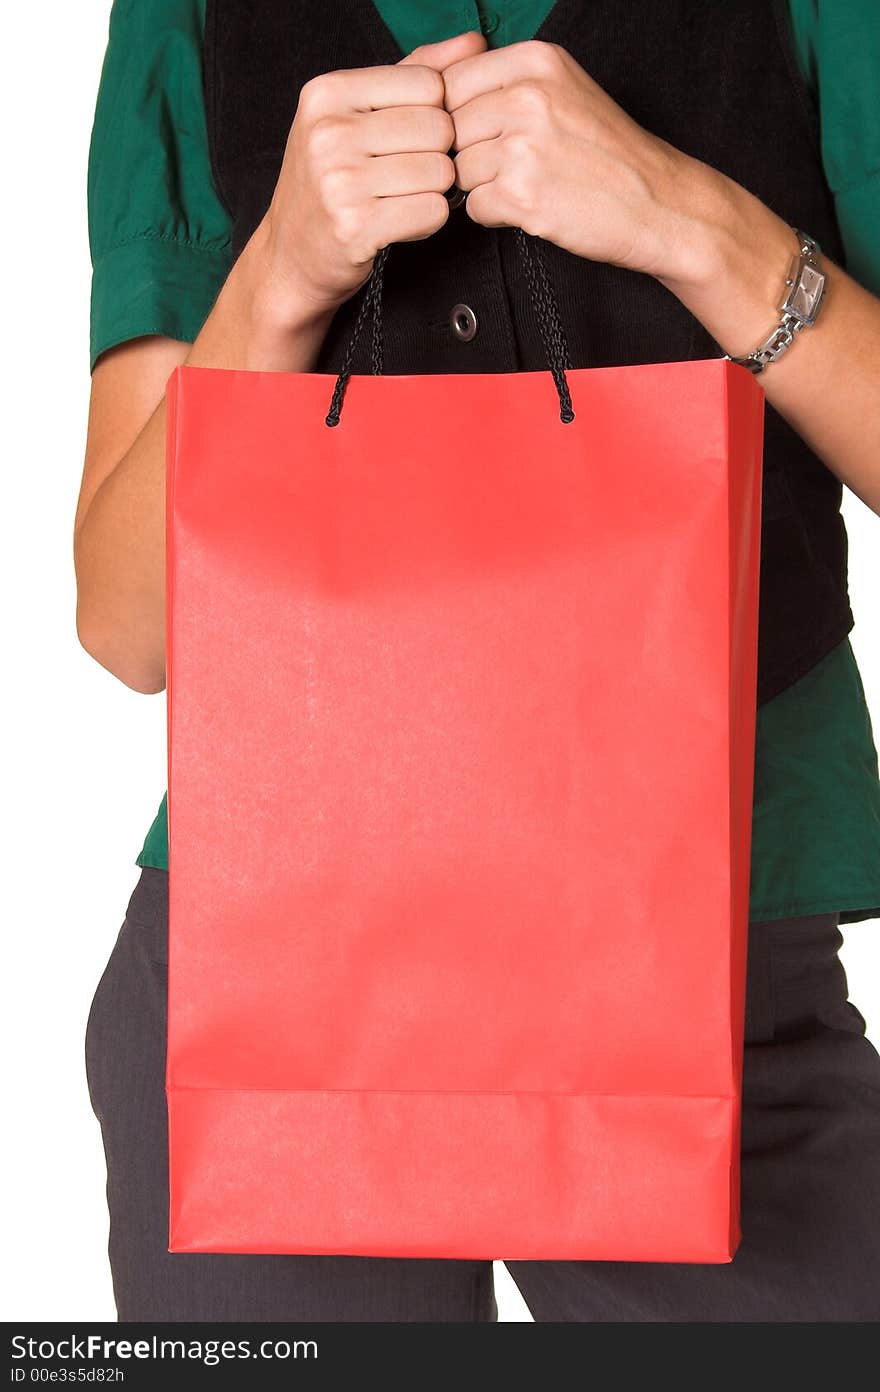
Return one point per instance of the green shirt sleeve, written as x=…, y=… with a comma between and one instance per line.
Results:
x=838, y=45
x=158, y=234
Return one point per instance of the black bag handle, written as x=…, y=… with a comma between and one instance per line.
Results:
x=543, y=302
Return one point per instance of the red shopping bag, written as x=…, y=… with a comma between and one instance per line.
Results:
x=461, y=721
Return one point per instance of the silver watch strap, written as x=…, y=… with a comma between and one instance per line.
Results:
x=805, y=289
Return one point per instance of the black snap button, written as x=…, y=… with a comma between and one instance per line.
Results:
x=464, y=322
x=455, y=196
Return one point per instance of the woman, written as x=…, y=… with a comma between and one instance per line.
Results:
x=247, y=164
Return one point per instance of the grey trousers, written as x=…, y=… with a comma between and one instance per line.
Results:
x=810, y=1177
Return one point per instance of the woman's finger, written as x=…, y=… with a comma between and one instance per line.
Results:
x=390, y=176
x=478, y=164
x=454, y=50
x=405, y=129
x=482, y=118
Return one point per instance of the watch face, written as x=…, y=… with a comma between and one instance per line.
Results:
x=803, y=300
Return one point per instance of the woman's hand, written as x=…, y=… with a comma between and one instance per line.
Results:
x=540, y=146
x=366, y=164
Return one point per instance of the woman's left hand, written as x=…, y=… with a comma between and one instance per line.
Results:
x=539, y=145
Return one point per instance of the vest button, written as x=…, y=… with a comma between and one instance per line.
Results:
x=464, y=322
x=455, y=196
x=488, y=22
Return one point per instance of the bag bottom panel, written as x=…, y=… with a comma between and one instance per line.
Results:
x=515, y=1176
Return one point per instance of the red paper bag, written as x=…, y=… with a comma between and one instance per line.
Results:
x=461, y=720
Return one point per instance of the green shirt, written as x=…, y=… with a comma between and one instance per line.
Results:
x=160, y=242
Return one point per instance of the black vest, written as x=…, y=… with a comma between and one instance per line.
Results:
x=719, y=81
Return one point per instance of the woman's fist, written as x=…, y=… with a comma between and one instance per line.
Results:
x=366, y=164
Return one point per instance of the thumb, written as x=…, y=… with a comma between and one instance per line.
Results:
x=440, y=55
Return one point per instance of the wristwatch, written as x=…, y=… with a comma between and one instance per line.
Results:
x=799, y=310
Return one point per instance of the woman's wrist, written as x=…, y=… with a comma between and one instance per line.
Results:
x=732, y=261
x=274, y=323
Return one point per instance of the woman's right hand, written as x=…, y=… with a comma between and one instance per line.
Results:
x=366, y=164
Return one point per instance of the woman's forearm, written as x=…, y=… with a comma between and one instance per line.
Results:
x=119, y=541
x=827, y=386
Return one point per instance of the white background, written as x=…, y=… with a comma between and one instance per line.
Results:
x=84, y=756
